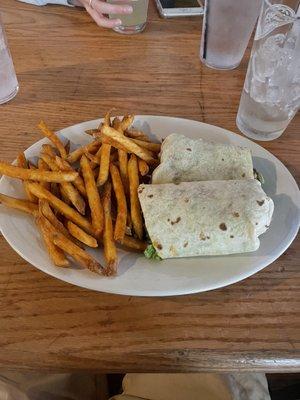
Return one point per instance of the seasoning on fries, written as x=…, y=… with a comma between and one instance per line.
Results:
x=87, y=198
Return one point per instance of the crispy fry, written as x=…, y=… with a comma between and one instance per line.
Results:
x=48, y=149
x=80, y=235
x=93, y=158
x=136, y=134
x=42, y=166
x=113, y=143
x=155, y=147
x=106, y=119
x=78, y=182
x=36, y=175
x=92, y=195
x=135, y=208
x=91, y=132
x=68, y=190
x=76, y=154
x=21, y=160
x=59, y=205
x=110, y=250
x=56, y=254
x=126, y=142
x=143, y=167
x=104, y=164
x=22, y=163
x=80, y=255
x=126, y=122
x=54, y=139
x=46, y=211
x=134, y=244
x=19, y=204
x=120, y=226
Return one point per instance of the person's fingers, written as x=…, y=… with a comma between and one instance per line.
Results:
x=107, y=8
x=101, y=20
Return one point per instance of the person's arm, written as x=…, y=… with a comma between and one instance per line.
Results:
x=97, y=9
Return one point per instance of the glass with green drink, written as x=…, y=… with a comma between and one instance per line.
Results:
x=134, y=22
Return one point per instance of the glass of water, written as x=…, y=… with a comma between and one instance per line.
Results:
x=226, y=30
x=271, y=94
x=8, y=81
x=134, y=22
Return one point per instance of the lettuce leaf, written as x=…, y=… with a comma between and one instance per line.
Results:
x=151, y=253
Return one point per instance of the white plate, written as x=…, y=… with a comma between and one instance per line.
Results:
x=140, y=277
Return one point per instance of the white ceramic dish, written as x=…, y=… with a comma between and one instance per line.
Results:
x=141, y=277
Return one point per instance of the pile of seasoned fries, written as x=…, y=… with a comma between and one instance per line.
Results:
x=87, y=197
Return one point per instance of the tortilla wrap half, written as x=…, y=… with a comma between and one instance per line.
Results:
x=186, y=160
x=205, y=218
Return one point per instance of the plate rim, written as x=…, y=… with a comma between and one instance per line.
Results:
x=166, y=293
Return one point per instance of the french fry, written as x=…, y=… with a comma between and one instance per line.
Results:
x=135, y=208
x=53, y=138
x=60, y=206
x=56, y=254
x=48, y=149
x=22, y=163
x=36, y=175
x=155, y=147
x=80, y=235
x=104, y=164
x=19, y=204
x=136, y=134
x=122, y=152
x=68, y=190
x=120, y=226
x=46, y=211
x=80, y=255
x=134, y=244
x=126, y=122
x=107, y=117
x=143, y=167
x=42, y=166
x=78, y=182
x=93, y=196
x=91, y=132
x=110, y=250
x=127, y=143
x=76, y=154
x=113, y=143
x=64, y=196
x=92, y=157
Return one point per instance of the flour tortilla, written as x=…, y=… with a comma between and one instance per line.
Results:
x=205, y=218
x=186, y=160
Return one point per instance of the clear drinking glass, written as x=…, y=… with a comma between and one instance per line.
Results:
x=226, y=30
x=134, y=22
x=271, y=94
x=8, y=81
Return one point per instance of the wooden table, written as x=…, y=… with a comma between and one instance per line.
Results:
x=71, y=71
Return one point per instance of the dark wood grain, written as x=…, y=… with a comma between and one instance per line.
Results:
x=71, y=71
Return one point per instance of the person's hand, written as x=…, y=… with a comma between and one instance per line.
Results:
x=98, y=10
